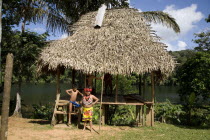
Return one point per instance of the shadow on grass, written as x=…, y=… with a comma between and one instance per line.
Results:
x=41, y=122
x=186, y=126
x=192, y=127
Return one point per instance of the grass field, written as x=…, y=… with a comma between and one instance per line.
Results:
x=162, y=132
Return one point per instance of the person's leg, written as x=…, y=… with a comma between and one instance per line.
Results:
x=85, y=122
x=91, y=124
x=70, y=110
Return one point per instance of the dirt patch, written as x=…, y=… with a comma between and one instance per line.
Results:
x=35, y=129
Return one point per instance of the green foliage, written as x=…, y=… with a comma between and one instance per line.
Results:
x=96, y=113
x=169, y=113
x=118, y=115
x=194, y=77
x=208, y=19
x=125, y=84
x=43, y=111
x=123, y=115
x=203, y=41
x=198, y=115
x=67, y=12
x=25, y=48
x=161, y=17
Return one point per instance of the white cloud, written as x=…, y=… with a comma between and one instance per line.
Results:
x=39, y=29
x=64, y=36
x=186, y=18
x=181, y=45
x=139, y=10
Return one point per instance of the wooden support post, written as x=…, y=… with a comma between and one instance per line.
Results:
x=6, y=97
x=102, y=90
x=79, y=117
x=85, y=80
x=138, y=115
x=106, y=113
x=116, y=94
x=153, y=87
x=141, y=115
x=153, y=99
x=73, y=76
x=144, y=85
x=140, y=92
x=58, y=90
x=150, y=108
x=95, y=81
x=103, y=114
x=148, y=116
x=144, y=115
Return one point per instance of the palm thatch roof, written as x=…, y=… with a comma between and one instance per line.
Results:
x=124, y=44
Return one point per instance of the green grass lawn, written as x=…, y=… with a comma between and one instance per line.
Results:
x=159, y=132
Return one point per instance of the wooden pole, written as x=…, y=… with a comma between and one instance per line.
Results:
x=85, y=80
x=116, y=89
x=102, y=88
x=144, y=85
x=95, y=82
x=153, y=99
x=73, y=77
x=0, y=42
x=6, y=97
x=58, y=90
x=153, y=87
x=140, y=93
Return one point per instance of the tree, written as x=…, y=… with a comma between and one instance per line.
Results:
x=203, y=41
x=194, y=77
x=25, y=49
x=6, y=97
x=0, y=43
x=208, y=19
x=161, y=17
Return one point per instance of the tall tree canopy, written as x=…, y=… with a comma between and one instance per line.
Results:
x=194, y=77
x=203, y=41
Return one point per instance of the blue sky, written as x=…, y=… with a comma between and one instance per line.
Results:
x=189, y=14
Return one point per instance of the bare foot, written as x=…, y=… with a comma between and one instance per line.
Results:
x=83, y=129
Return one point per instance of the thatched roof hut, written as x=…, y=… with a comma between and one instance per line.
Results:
x=124, y=44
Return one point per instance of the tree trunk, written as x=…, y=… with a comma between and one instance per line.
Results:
x=6, y=97
x=17, y=112
x=0, y=42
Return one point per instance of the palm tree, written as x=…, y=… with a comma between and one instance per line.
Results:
x=161, y=17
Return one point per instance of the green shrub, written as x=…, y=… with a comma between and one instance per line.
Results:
x=117, y=115
x=169, y=113
x=43, y=111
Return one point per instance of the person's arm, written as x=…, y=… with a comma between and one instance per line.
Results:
x=69, y=91
x=80, y=93
x=94, y=98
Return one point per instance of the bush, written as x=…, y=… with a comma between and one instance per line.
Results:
x=43, y=111
x=118, y=115
x=169, y=113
